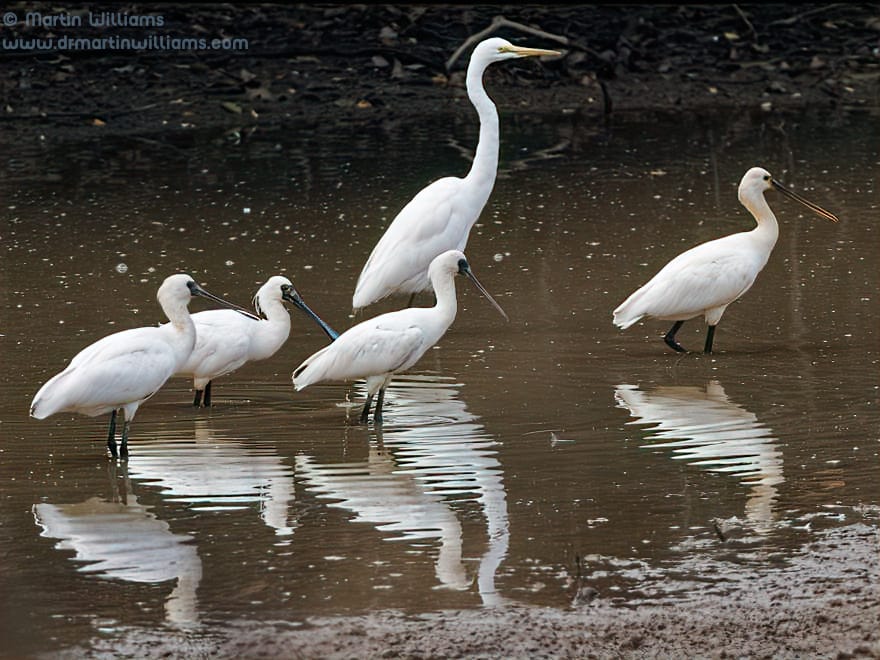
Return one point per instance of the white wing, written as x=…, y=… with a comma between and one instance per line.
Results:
x=121, y=368
x=385, y=344
x=222, y=343
x=708, y=276
x=437, y=219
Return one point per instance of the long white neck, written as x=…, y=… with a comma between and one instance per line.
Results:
x=447, y=305
x=182, y=327
x=485, y=165
x=270, y=333
x=767, y=231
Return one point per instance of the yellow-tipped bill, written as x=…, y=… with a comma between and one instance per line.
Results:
x=522, y=51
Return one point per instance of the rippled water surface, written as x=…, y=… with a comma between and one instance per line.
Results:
x=540, y=461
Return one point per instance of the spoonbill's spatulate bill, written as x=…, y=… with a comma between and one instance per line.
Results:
x=707, y=278
x=226, y=340
x=124, y=369
x=440, y=216
x=380, y=347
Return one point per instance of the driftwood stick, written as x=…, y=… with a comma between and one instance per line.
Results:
x=746, y=20
x=498, y=22
x=794, y=19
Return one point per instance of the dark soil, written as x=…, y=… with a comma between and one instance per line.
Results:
x=355, y=64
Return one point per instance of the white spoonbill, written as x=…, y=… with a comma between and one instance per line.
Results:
x=380, y=347
x=124, y=369
x=707, y=278
x=440, y=216
x=226, y=340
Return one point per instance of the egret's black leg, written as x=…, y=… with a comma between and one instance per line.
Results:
x=207, y=401
x=365, y=413
x=123, y=451
x=411, y=300
x=197, y=400
x=111, y=435
x=710, y=335
x=377, y=415
x=670, y=337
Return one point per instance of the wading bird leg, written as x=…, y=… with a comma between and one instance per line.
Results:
x=111, y=435
x=670, y=337
x=710, y=334
x=365, y=413
x=411, y=300
x=123, y=450
x=207, y=401
x=377, y=415
x=197, y=399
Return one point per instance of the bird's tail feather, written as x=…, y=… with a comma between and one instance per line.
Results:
x=48, y=400
x=303, y=376
x=624, y=316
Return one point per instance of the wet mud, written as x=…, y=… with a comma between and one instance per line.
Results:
x=822, y=603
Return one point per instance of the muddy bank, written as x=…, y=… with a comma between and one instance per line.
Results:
x=278, y=65
x=822, y=603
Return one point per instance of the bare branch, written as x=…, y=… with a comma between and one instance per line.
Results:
x=499, y=22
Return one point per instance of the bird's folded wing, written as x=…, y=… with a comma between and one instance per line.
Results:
x=386, y=349
x=697, y=285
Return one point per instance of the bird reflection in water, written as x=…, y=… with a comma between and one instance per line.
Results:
x=706, y=429
x=422, y=462
x=220, y=472
x=122, y=539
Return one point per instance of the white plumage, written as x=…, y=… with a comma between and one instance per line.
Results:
x=440, y=216
x=226, y=339
x=707, y=278
x=124, y=369
x=380, y=347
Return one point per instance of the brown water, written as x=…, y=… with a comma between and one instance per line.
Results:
x=519, y=462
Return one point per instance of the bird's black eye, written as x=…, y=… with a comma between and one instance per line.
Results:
x=463, y=266
x=191, y=285
x=285, y=288
x=766, y=177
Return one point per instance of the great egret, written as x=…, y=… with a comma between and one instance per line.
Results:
x=124, y=369
x=226, y=340
x=707, y=278
x=440, y=216
x=380, y=347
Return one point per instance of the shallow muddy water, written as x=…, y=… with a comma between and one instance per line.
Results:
x=546, y=460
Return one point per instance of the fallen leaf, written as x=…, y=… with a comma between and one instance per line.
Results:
x=259, y=94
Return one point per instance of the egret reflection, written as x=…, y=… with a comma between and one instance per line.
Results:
x=122, y=539
x=425, y=460
x=706, y=429
x=220, y=472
